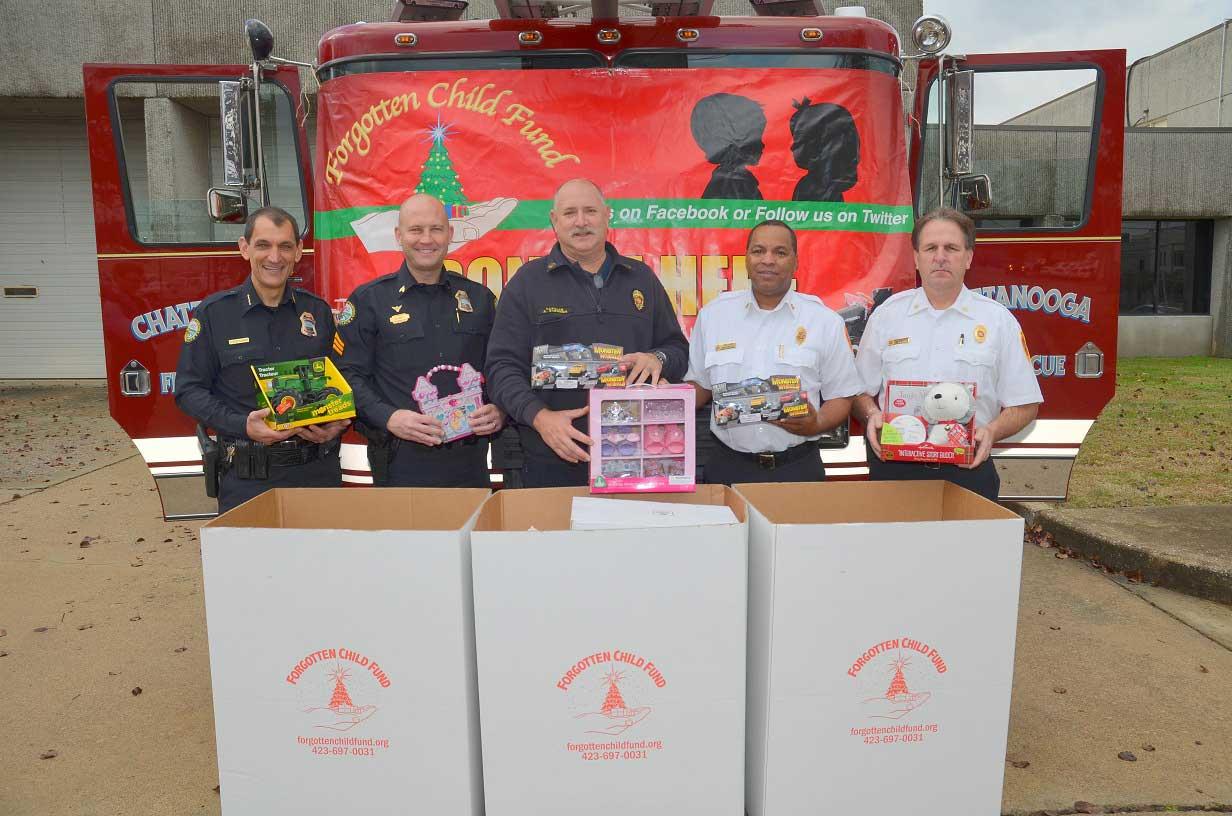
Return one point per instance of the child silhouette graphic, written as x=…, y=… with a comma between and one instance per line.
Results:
x=826, y=144
x=729, y=130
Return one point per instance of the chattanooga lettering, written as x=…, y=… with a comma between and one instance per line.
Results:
x=1022, y=297
x=897, y=644
x=161, y=321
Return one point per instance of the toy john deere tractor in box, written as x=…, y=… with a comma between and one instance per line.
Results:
x=303, y=392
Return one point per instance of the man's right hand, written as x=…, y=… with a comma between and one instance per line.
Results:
x=872, y=431
x=415, y=427
x=258, y=431
x=556, y=428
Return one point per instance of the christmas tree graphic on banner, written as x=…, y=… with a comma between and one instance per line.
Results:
x=437, y=176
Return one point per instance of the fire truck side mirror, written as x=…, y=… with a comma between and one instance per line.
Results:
x=973, y=193
x=260, y=39
x=226, y=206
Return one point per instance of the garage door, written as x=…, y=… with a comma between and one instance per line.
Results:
x=50, y=321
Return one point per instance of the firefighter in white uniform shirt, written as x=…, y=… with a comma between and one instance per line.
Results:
x=764, y=331
x=945, y=332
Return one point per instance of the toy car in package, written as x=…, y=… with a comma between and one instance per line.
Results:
x=928, y=422
x=759, y=400
x=575, y=365
x=303, y=392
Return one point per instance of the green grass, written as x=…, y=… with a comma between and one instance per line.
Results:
x=1166, y=438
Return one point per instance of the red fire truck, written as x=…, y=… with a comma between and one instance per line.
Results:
x=696, y=127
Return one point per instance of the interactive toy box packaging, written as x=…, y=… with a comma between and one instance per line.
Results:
x=644, y=439
x=303, y=392
x=611, y=662
x=758, y=400
x=342, y=654
x=882, y=621
x=574, y=366
x=928, y=422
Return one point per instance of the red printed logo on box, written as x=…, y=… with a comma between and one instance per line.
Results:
x=609, y=694
x=337, y=692
x=894, y=679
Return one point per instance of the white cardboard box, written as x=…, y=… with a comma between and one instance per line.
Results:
x=882, y=619
x=342, y=652
x=611, y=662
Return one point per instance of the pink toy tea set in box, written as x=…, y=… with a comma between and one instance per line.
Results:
x=644, y=440
x=453, y=411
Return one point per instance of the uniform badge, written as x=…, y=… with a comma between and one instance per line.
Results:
x=639, y=300
x=801, y=336
x=981, y=333
x=193, y=331
x=347, y=314
x=401, y=317
x=464, y=301
x=307, y=325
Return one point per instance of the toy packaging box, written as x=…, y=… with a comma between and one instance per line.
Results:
x=303, y=392
x=453, y=411
x=759, y=400
x=644, y=439
x=574, y=366
x=928, y=422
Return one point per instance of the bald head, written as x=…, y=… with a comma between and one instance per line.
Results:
x=580, y=219
x=423, y=233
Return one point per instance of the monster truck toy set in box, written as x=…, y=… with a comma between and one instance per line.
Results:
x=303, y=392
x=574, y=366
x=758, y=400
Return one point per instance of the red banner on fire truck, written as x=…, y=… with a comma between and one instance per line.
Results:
x=689, y=160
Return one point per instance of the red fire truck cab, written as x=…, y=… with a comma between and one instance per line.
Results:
x=696, y=127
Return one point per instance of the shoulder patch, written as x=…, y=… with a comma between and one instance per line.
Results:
x=347, y=314
x=193, y=331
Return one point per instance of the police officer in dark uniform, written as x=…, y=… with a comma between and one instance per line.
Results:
x=260, y=321
x=398, y=327
x=582, y=292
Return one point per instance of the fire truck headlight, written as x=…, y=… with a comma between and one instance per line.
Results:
x=931, y=33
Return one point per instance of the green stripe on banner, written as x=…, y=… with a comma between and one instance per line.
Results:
x=682, y=213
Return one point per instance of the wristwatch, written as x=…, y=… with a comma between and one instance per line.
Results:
x=661, y=356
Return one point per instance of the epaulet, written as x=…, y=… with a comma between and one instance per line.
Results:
x=217, y=296
x=730, y=295
x=364, y=287
x=306, y=294
x=906, y=294
x=812, y=298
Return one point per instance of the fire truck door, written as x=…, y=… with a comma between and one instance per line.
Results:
x=155, y=149
x=1046, y=131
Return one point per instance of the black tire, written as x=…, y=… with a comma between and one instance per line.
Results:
x=276, y=400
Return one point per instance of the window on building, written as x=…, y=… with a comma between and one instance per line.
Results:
x=1166, y=267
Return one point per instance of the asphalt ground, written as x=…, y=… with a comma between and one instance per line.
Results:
x=104, y=670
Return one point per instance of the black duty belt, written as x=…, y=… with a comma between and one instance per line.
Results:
x=770, y=461
x=288, y=453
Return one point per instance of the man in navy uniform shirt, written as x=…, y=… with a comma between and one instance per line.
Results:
x=585, y=292
x=260, y=321
x=396, y=328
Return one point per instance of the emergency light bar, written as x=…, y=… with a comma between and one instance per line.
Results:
x=427, y=11
x=785, y=8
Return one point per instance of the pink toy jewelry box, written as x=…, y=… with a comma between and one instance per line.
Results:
x=644, y=440
x=454, y=411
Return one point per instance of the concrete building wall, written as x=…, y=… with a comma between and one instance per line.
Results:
x=1177, y=173
x=1072, y=109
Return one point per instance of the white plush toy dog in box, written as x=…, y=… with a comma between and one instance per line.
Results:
x=947, y=407
x=928, y=421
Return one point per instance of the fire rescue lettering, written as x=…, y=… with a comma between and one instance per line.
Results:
x=1020, y=296
x=161, y=321
x=894, y=645
x=482, y=99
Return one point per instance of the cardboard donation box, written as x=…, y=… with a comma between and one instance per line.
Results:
x=611, y=661
x=342, y=652
x=882, y=619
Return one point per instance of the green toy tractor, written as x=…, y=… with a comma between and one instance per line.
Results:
x=305, y=387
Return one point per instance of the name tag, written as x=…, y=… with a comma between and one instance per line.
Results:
x=724, y=346
x=237, y=341
x=898, y=341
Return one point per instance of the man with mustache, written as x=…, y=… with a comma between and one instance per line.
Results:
x=764, y=331
x=585, y=292
x=944, y=332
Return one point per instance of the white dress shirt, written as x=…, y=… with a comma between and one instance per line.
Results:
x=975, y=340
x=734, y=339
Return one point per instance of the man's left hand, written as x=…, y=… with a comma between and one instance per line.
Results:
x=487, y=420
x=983, y=446
x=802, y=425
x=323, y=432
x=645, y=367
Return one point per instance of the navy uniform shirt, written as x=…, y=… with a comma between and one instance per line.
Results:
x=394, y=329
x=232, y=331
x=552, y=301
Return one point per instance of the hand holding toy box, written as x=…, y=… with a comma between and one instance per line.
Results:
x=453, y=411
x=574, y=366
x=644, y=440
x=303, y=392
x=758, y=400
x=928, y=422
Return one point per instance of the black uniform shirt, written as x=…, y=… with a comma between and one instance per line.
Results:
x=394, y=329
x=551, y=301
x=233, y=330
